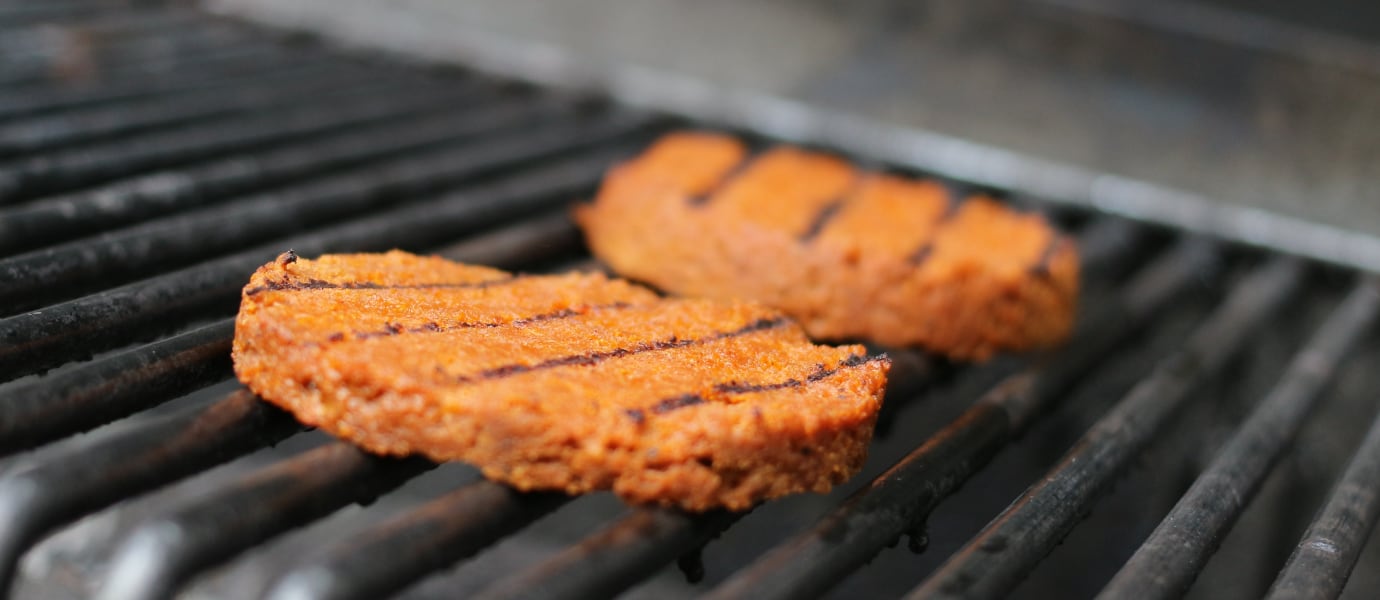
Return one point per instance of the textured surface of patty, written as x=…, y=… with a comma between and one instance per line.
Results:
x=573, y=382
x=850, y=253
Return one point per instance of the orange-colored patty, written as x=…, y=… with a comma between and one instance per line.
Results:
x=850, y=253
x=572, y=382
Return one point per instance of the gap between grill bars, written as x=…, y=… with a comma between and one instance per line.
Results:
x=133, y=206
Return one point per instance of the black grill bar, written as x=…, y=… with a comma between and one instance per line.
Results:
x=59, y=218
x=165, y=551
x=90, y=164
x=30, y=13
x=101, y=391
x=615, y=558
x=1324, y=558
x=91, y=477
x=1000, y=556
x=58, y=100
x=899, y=500
x=248, y=54
x=1171, y=558
x=74, y=329
x=394, y=554
x=273, y=88
x=94, y=393
x=534, y=240
x=30, y=279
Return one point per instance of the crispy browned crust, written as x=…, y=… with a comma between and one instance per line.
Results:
x=851, y=254
x=571, y=382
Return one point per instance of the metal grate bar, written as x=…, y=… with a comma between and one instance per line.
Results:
x=272, y=88
x=59, y=218
x=101, y=391
x=194, y=71
x=90, y=164
x=85, y=479
x=615, y=558
x=30, y=13
x=244, y=54
x=1171, y=558
x=167, y=550
x=393, y=554
x=538, y=239
x=94, y=393
x=74, y=329
x=57, y=100
x=1324, y=558
x=899, y=500
x=30, y=279
x=1000, y=556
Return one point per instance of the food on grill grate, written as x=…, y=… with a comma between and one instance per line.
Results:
x=573, y=382
x=850, y=253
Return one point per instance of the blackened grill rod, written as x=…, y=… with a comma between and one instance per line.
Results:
x=103, y=390
x=85, y=479
x=74, y=329
x=615, y=558
x=631, y=549
x=1322, y=562
x=272, y=89
x=246, y=55
x=194, y=72
x=31, y=279
x=166, y=550
x=46, y=102
x=1171, y=558
x=59, y=218
x=93, y=393
x=89, y=164
x=391, y=555
x=1001, y=555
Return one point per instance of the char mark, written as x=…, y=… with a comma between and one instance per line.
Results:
x=723, y=183
x=593, y=358
x=317, y=284
x=1041, y=266
x=955, y=194
x=821, y=220
x=820, y=373
x=675, y=402
x=391, y=329
x=922, y=254
x=831, y=210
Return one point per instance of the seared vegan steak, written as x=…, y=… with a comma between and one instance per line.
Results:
x=571, y=382
x=849, y=253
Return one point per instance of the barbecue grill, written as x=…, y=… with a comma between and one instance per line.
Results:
x=1207, y=430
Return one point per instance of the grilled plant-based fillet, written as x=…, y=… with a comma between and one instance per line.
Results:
x=849, y=253
x=571, y=382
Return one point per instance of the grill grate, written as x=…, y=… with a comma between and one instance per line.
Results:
x=134, y=205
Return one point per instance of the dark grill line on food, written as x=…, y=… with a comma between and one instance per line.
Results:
x=1041, y=266
x=923, y=254
x=831, y=209
x=391, y=329
x=317, y=284
x=955, y=196
x=691, y=399
x=723, y=183
x=593, y=358
x=820, y=372
x=955, y=199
